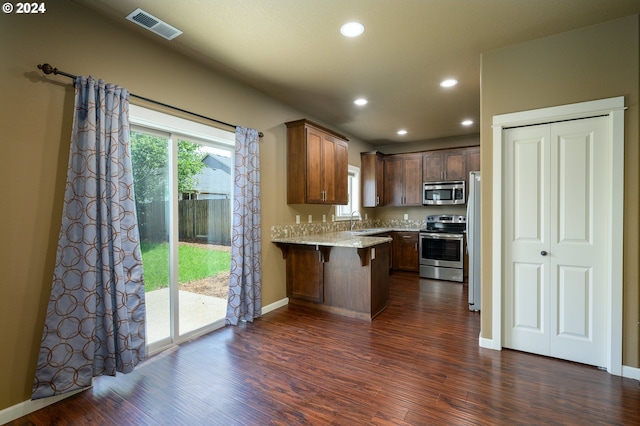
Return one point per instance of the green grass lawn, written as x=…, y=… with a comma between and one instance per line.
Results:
x=194, y=263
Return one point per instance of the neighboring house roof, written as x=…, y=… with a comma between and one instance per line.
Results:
x=215, y=178
x=216, y=162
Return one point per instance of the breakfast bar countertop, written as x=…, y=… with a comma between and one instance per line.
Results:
x=355, y=239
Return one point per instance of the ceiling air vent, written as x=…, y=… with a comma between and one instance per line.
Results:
x=153, y=24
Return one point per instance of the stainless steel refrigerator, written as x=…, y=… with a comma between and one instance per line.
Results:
x=473, y=240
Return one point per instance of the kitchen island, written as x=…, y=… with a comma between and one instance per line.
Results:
x=340, y=272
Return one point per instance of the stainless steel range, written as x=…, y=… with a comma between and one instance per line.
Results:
x=442, y=248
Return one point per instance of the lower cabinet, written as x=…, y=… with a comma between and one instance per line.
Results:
x=348, y=281
x=392, y=248
x=405, y=251
x=305, y=274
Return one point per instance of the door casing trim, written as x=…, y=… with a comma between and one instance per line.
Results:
x=614, y=109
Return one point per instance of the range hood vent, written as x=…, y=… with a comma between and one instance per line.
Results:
x=153, y=24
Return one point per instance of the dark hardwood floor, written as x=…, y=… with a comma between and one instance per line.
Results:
x=418, y=363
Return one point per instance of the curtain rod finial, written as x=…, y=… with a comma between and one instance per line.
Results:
x=48, y=69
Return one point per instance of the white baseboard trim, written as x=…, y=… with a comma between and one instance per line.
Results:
x=631, y=372
x=628, y=372
x=488, y=344
x=275, y=305
x=27, y=407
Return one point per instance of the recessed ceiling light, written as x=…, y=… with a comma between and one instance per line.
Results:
x=402, y=132
x=352, y=29
x=449, y=82
x=361, y=101
x=467, y=123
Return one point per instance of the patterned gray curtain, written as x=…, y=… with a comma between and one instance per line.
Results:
x=245, y=282
x=95, y=323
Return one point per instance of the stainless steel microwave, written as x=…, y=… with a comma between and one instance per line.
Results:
x=443, y=193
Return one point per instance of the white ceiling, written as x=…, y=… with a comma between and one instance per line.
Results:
x=293, y=51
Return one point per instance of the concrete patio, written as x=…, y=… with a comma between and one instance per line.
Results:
x=196, y=310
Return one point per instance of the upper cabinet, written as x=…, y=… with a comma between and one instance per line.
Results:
x=372, y=179
x=317, y=164
x=473, y=160
x=444, y=165
x=403, y=179
x=396, y=180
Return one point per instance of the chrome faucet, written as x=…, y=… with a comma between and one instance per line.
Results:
x=358, y=216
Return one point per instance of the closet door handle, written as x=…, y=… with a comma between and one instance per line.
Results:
x=544, y=253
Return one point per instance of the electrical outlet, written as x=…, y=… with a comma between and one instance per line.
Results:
x=298, y=219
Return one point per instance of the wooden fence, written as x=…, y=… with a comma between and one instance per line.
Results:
x=206, y=221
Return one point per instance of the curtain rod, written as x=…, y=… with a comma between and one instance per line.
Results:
x=48, y=69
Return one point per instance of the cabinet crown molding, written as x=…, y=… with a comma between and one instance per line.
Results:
x=305, y=122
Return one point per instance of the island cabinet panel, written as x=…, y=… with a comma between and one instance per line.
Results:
x=317, y=165
x=380, y=279
x=344, y=280
x=305, y=273
x=362, y=290
x=391, y=248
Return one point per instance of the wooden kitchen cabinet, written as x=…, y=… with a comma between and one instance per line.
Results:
x=343, y=280
x=405, y=251
x=305, y=273
x=403, y=180
x=317, y=164
x=372, y=179
x=391, y=249
x=473, y=160
x=473, y=163
x=444, y=165
x=396, y=180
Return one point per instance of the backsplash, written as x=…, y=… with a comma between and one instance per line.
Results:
x=303, y=229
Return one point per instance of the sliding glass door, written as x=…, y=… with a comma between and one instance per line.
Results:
x=150, y=162
x=204, y=234
x=183, y=190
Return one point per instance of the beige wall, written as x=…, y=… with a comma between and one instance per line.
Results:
x=36, y=129
x=596, y=62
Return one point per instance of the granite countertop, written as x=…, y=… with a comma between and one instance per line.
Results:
x=359, y=238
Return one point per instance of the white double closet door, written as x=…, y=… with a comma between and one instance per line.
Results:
x=556, y=265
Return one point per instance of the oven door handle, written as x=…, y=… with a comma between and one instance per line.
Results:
x=442, y=236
